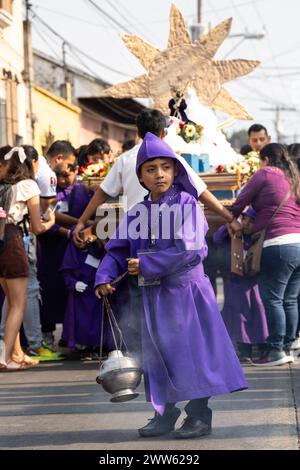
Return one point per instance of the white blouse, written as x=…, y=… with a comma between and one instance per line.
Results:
x=22, y=192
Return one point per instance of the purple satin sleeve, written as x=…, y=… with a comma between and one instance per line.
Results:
x=166, y=262
x=221, y=235
x=249, y=192
x=69, y=279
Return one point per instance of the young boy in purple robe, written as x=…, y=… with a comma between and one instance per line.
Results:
x=82, y=322
x=187, y=353
x=83, y=316
x=243, y=312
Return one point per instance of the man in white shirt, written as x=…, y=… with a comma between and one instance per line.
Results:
x=122, y=177
x=60, y=158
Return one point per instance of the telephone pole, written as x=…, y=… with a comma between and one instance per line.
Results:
x=277, y=121
x=28, y=70
x=199, y=11
x=199, y=28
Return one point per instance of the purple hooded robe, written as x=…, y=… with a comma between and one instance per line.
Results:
x=187, y=353
x=243, y=312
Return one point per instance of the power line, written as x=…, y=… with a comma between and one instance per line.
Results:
x=71, y=17
x=107, y=15
x=41, y=36
x=72, y=46
x=123, y=16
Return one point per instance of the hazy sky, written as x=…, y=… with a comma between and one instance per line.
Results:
x=275, y=83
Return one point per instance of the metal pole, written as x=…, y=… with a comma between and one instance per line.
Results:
x=199, y=11
x=28, y=69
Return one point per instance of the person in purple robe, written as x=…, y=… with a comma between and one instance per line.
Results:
x=83, y=316
x=82, y=322
x=243, y=311
x=187, y=353
x=72, y=198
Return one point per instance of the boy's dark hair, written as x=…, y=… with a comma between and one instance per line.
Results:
x=81, y=154
x=127, y=145
x=257, y=128
x=61, y=147
x=245, y=149
x=150, y=120
x=98, y=146
x=17, y=171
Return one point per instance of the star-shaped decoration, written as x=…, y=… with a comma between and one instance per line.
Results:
x=185, y=64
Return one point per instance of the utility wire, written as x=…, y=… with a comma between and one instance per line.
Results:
x=127, y=15
x=41, y=36
x=107, y=15
x=72, y=46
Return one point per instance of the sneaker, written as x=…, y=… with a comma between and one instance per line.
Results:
x=45, y=353
x=290, y=355
x=86, y=355
x=159, y=425
x=273, y=358
x=244, y=359
x=296, y=344
x=49, y=339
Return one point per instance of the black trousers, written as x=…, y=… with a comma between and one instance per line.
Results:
x=194, y=408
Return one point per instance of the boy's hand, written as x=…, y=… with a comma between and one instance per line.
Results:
x=133, y=266
x=236, y=227
x=104, y=289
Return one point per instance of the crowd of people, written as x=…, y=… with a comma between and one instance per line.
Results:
x=166, y=306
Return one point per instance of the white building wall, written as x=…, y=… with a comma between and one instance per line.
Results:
x=12, y=59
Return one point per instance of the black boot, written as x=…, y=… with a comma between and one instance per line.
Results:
x=197, y=422
x=160, y=425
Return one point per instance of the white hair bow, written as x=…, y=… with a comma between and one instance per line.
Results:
x=21, y=153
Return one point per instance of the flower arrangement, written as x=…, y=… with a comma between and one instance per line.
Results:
x=94, y=170
x=245, y=168
x=189, y=131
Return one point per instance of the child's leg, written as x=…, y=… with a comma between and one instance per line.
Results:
x=198, y=421
x=245, y=351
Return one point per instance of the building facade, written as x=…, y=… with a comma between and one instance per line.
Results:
x=55, y=119
x=106, y=118
x=13, y=95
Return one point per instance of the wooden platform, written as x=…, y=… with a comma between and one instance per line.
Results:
x=221, y=182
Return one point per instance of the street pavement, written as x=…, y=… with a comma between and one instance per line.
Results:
x=60, y=406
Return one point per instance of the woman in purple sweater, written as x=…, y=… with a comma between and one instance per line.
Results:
x=279, y=279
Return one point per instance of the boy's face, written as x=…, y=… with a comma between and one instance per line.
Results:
x=65, y=179
x=257, y=140
x=158, y=175
x=247, y=223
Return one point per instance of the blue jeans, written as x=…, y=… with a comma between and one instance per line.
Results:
x=279, y=285
x=31, y=320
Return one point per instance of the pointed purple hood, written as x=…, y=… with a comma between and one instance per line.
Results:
x=154, y=147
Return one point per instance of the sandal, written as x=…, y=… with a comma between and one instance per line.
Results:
x=13, y=366
x=26, y=359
